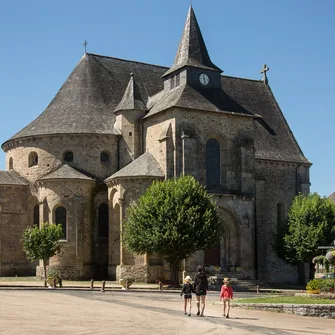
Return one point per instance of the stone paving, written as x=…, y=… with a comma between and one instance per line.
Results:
x=130, y=312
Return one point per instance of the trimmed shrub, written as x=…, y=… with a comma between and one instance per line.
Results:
x=318, y=285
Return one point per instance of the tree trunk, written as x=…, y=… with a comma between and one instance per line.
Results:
x=301, y=273
x=311, y=270
x=45, y=272
x=174, y=271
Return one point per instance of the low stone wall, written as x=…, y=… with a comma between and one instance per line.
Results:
x=69, y=272
x=12, y=270
x=324, y=311
x=143, y=273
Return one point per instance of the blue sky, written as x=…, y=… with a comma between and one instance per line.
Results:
x=42, y=41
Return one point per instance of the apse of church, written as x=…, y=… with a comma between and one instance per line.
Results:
x=117, y=125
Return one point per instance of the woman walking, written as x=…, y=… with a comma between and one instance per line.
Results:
x=201, y=288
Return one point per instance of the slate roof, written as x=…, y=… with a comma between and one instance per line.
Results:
x=332, y=197
x=143, y=166
x=192, y=49
x=100, y=85
x=186, y=96
x=11, y=178
x=132, y=98
x=66, y=172
x=256, y=96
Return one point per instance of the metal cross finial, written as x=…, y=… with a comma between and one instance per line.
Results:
x=264, y=70
x=85, y=44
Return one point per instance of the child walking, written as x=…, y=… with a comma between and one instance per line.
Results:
x=226, y=295
x=187, y=290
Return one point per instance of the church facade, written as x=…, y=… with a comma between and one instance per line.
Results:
x=114, y=127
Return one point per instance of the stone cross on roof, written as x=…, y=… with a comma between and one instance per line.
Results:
x=85, y=44
x=263, y=72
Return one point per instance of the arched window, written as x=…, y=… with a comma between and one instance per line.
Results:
x=10, y=163
x=68, y=156
x=37, y=215
x=103, y=221
x=212, y=162
x=33, y=159
x=60, y=218
x=280, y=213
x=104, y=157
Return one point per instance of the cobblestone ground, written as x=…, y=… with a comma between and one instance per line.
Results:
x=128, y=312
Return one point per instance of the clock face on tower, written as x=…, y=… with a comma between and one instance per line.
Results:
x=204, y=79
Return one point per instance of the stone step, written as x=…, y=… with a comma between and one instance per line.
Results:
x=238, y=284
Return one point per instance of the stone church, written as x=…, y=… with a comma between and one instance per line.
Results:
x=115, y=126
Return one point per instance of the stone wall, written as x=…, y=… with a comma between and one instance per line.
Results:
x=324, y=311
x=14, y=218
x=75, y=197
x=50, y=150
x=85, y=272
x=275, y=184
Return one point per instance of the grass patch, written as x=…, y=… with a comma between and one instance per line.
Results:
x=14, y=279
x=285, y=300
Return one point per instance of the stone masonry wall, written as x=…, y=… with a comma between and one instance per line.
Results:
x=50, y=150
x=75, y=196
x=232, y=132
x=275, y=183
x=14, y=218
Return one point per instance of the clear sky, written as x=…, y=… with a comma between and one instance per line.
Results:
x=42, y=41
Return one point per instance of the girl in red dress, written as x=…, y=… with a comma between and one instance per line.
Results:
x=226, y=295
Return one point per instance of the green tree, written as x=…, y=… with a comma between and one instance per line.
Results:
x=42, y=243
x=173, y=218
x=310, y=224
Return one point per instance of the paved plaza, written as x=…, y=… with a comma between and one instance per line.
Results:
x=129, y=312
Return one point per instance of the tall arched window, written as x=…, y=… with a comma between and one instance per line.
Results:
x=68, y=156
x=60, y=218
x=10, y=163
x=103, y=221
x=33, y=159
x=213, y=162
x=37, y=215
x=280, y=213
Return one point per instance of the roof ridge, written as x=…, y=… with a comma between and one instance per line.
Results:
x=127, y=60
x=249, y=79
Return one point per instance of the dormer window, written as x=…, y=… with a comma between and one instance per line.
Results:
x=68, y=157
x=33, y=159
x=171, y=83
x=177, y=79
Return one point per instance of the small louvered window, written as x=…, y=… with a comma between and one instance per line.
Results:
x=178, y=79
x=104, y=157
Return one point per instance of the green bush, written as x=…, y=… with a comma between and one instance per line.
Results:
x=313, y=285
x=320, y=285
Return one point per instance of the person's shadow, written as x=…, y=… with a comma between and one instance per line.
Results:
x=230, y=318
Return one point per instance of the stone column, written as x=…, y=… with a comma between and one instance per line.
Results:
x=122, y=213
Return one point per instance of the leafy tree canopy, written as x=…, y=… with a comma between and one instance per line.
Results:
x=42, y=243
x=311, y=223
x=173, y=218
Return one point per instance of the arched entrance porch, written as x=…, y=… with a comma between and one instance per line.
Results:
x=226, y=254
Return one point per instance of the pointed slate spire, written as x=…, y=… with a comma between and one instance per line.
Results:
x=192, y=50
x=132, y=99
